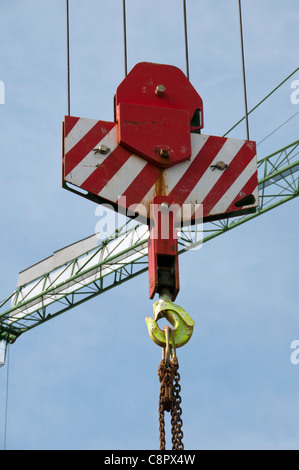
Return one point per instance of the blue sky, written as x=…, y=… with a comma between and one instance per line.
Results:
x=88, y=379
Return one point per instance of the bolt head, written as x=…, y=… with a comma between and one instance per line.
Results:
x=221, y=165
x=164, y=208
x=160, y=90
x=164, y=153
x=103, y=149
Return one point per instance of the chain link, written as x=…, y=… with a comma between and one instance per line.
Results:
x=170, y=400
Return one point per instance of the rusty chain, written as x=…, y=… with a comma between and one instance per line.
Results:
x=170, y=400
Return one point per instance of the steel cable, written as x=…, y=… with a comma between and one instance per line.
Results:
x=262, y=101
x=186, y=38
x=125, y=38
x=279, y=127
x=68, y=58
x=243, y=70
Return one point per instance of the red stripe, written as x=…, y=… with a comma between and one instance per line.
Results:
x=229, y=176
x=103, y=174
x=248, y=189
x=86, y=144
x=148, y=176
x=69, y=123
x=196, y=169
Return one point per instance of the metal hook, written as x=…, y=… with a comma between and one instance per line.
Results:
x=182, y=324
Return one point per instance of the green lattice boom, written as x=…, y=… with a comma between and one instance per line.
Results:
x=123, y=255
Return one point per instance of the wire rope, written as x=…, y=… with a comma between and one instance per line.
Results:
x=279, y=127
x=68, y=58
x=262, y=101
x=186, y=38
x=243, y=70
x=125, y=38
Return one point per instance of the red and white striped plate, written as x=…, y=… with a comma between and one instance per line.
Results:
x=128, y=181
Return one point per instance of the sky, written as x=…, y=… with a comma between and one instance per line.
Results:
x=88, y=378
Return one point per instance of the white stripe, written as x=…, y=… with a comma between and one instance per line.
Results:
x=123, y=178
x=77, y=133
x=93, y=159
x=208, y=180
x=226, y=200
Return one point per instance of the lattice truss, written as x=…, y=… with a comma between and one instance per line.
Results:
x=86, y=269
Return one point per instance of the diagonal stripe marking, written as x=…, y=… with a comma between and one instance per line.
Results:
x=69, y=123
x=125, y=177
x=93, y=160
x=85, y=143
x=174, y=174
x=144, y=181
x=210, y=177
x=101, y=175
x=77, y=132
x=228, y=177
x=197, y=168
x=233, y=193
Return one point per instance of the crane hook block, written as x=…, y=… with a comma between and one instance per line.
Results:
x=154, y=147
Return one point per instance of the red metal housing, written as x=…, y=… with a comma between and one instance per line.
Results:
x=163, y=262
x=156, y=108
